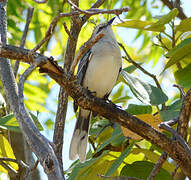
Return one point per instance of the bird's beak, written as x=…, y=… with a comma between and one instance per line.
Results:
x=110, y=21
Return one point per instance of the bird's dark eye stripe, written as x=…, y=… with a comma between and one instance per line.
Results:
x=100, y=28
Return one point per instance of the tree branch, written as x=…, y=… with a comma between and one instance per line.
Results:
x=23, y=39
x=184, y=116
x=38, y=143
x=158, y=166
x=108, y=110
x=58, y=136
x=93, y=11
x=129, y=59
x=171, y=5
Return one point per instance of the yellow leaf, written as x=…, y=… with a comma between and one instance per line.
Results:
x=99, y=167
x=154, y=121
x=6, y=151
x=152, y=156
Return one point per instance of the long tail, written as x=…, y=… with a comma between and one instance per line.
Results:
x=80, y=136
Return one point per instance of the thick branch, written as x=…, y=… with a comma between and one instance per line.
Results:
x=184, y=116
x=108, y=110
x=39, y=144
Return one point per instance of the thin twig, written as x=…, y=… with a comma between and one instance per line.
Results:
x=31, y=169
x=85, y=100
x=23, y=39
x=74, y=13
x=87, y=45
x=11, y=171
x=130, y=60
x=177, y=136
x=182, y=93
x=174, y=172
x=172, y=122
x=158, y=166
x=94, y=11
x=97, y=4
x=160, y=40
x=67, y=30
x=19, y=162
x=41, y=2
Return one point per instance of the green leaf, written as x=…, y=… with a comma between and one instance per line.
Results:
x=131, y=68
x=90, y=168
x=49, y=124
x=150, y=26
x=185, y=25
x=117, y=133
x=178, y=53
x=37, y=27
x=153, y=156
x=172, y=112
x=138, y=24
x=145, y=92
x=135, y=109
x=119, y=160
x=9, y=121
x=182, y=76
x=167, y=115
x=164, y=20
x=6, y=151
x=142, y=170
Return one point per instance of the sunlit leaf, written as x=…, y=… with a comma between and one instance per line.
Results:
x=167, y=43
x=172, y=112
x=9, y=121
x=185, y=25
x=6, y=151
x=101, y=130
x=182, y=76
x=178, y=53
x=136, y=170
x=119, y=160
x=164, y=20
x=135, y=109
x=154, y=121
x=117, y=133
x=153, y=157
x=150, y=26
x=139, y=24
x=92, y=168
x=49, y=123
x=145, y=92
x=131, y=68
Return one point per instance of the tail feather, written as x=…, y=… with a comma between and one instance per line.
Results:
x=80, y=136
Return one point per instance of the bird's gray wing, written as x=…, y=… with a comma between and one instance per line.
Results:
x=82, y=67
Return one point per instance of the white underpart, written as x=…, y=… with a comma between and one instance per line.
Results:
x=103, y=69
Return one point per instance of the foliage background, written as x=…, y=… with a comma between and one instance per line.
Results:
x=42, y=93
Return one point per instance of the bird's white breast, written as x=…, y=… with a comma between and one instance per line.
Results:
x=103, y=68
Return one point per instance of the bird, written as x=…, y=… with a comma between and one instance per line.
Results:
x=98, y=71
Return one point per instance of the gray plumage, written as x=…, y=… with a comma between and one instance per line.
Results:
x=98, y=71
